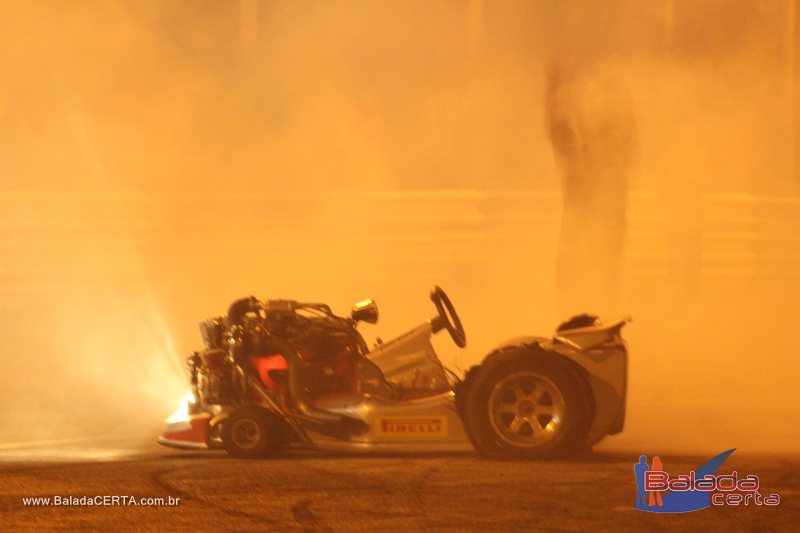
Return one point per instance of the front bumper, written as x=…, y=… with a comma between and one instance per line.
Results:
x=189, y=433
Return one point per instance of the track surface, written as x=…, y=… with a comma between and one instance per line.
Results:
x=315, y=492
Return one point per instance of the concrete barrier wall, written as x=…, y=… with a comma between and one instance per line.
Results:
x=51, y=241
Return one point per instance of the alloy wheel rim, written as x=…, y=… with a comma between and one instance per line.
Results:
x=246, y=434
x=526, y=409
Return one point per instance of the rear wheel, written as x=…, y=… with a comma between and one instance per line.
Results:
x=526, y=405
x=251, y=432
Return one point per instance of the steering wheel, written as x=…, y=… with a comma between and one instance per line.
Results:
x=448, y=318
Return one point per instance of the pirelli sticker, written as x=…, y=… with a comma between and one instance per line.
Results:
x=412, y=426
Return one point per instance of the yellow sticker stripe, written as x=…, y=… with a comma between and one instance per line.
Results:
x=409, y=426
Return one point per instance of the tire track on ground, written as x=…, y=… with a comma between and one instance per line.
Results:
x=157, y=478
x=306, y=518
x=418, y=489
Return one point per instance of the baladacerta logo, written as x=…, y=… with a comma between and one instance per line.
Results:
x=657, y=492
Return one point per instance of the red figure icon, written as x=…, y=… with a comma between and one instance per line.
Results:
x=655, y=496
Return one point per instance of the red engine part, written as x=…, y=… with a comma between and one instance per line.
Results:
x=263, y=364
x=336, y=373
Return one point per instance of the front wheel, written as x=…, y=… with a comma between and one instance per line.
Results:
x=251, y=432
x=526, y=405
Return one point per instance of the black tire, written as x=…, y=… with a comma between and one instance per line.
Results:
x=524, y=403
x=251, y=432
x=461, y=390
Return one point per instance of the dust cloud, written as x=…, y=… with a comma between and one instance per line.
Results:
x=593, y=132
x=162, y=159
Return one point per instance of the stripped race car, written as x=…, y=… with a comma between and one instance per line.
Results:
x=284, y=374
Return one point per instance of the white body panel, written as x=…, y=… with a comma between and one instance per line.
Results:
x=424, y=424
x=410, y=361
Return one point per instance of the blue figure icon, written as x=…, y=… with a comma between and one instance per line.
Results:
x=640, y=469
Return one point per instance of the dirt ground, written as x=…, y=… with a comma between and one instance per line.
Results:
x=316, y=492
